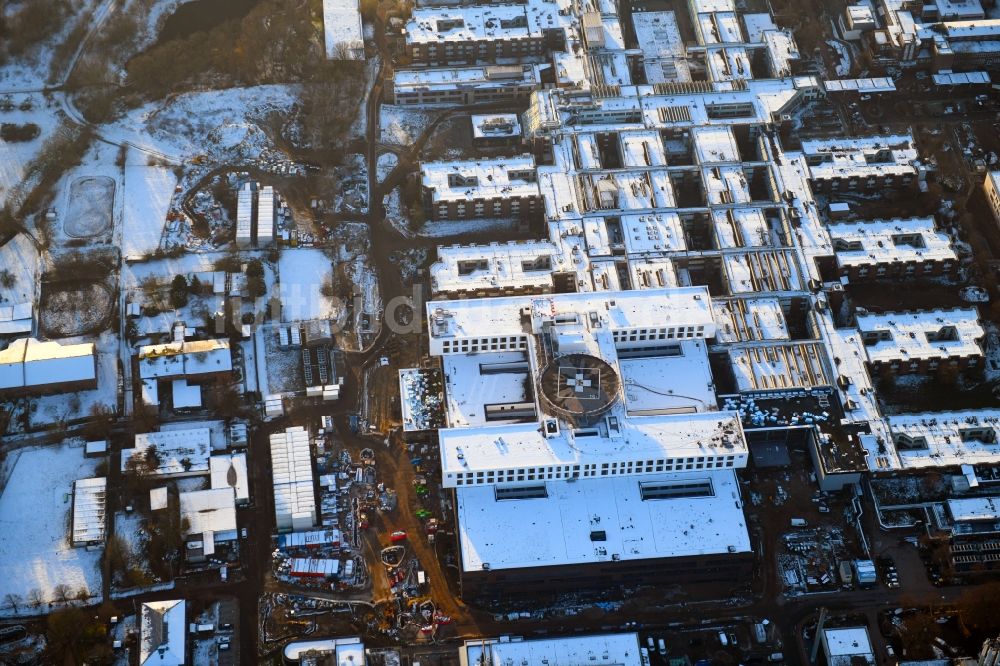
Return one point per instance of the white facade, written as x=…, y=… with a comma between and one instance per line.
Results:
x=617, y=649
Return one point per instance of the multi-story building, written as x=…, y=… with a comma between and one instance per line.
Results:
x=479, y=33
x=921, y=342
x=578, y=371
x=506, y=188
x=458, y=86
x=584, y=446
x=887, y=249
x=971, y=527
x=864, y=164
x=992, y=189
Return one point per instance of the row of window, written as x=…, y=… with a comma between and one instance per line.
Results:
x=649, y=491
x=910, y=269
x=673, y=332
x=498, y=343
x=557, y=472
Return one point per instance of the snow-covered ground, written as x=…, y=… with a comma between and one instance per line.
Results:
x=843, y=55
x=353, y=197
x=72, y=202
x=385, y=164
x=30, y=71
x=301, y=274
x=20, y=258
x=148, y=191
x=49, y=409
x=359, y=129
x=15, y=157
x=401, y=125
x=35, y=515
x=221, y=123
x=394, y=213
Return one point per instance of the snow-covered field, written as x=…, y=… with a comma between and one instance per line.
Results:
x=222, y=123
x=35, y=514
x=148, y=191
x=394, y=213
x=400, y=125
x=385, y=164
x=20, y=257
x=97, y=166
x=359, y=129
x=15, y=157
x=301, y=273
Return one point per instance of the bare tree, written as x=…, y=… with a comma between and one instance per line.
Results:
x=35, y=598
x=62, y=592
x=83, y=594
x=12, y=601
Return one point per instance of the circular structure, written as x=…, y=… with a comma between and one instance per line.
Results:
x=91, y=204
x=78, y=308
x=579, y=387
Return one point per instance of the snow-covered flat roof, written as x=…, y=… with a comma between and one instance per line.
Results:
x=343, y=35
x=88, y=510
x=847, y=157
x=689, y=307
x=945, y=439
x=742, y=227
x=927, y=334
x=212, y=510
x=780, y=366
x=847, y=642
x=750, y=320
x=437, y=25
x=949, y=78
x=473, y=381
x=886, y=241
x=459, y=77
x=600, y=520
x=616, y=649
x=658, y=34
x=464, y=180
x=495, y=125
x=669, y=384
x=652, y=233
x=230, y=471
x=181, y=452
x=726, y=185
x=715, y=144
x=17, y=318
x=675, y=438
x=185, y=395
x=868, y=85
x=511, y=265
x=974, y=509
